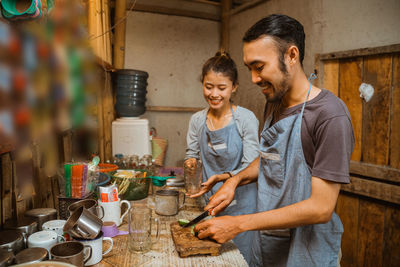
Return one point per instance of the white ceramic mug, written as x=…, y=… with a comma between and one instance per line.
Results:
x=56, y=226
x=44, y=239
x=97, y=248
x=112, y=211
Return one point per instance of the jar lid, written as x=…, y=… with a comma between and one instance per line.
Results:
x=31, y=255
x=166, y=192
x=41, y=212
x=54, y=224
x=20, y=223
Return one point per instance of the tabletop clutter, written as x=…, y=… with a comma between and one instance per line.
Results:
x=95, y=199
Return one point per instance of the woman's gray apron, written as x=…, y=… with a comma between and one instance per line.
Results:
x=284, y=179
x=222, y=151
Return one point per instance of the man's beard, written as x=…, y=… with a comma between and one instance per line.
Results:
x=279, y=91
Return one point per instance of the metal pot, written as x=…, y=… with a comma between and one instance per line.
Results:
x=6, y=258
x=12, y=240
x=25, y=225
x=32, y=255
x=42, y=215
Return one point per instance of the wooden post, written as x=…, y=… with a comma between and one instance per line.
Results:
x=119, y=34
x=226, y=6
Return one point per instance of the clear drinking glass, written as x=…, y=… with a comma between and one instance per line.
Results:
x=193, y=176
x=140, y=229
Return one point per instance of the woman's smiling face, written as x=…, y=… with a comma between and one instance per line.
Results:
x=217, y=90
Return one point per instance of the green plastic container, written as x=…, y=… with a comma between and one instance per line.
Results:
x=10, y=6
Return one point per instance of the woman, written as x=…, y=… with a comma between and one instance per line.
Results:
x=225, y=137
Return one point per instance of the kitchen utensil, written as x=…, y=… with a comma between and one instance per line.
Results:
x=6, y=257
x=72, y=252
x=26, y=225
x=83, y=224
x=90, y=205
x=112, y=211
x=110, y=230
x=55, y=225
x=42, y=215
x=167, y=202
x=205, y=214
x=97, y=248
x=133, y=188
x=47, y=264
x=12, y=240
x=187, y=244
x=140, y=225
x=44, y=239
x=193, y=176
x=32, y=255
x=197, y=219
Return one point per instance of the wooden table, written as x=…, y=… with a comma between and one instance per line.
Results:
x=163, y=253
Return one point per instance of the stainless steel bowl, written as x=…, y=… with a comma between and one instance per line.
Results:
x=12, y=240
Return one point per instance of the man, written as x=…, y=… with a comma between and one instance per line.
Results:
x=305, y=150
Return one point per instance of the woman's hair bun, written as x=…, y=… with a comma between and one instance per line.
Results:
x=222, y=54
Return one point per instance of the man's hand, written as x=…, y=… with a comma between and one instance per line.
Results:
x=223, y=197
x=221, y=229
x=206, y=186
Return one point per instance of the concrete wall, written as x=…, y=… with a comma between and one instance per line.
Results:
x=329, y=25
x=172, y=50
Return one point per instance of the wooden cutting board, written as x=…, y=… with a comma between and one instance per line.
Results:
x=187, y=244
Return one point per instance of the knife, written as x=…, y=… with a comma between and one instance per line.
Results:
x=198, y=218
x=205, y=214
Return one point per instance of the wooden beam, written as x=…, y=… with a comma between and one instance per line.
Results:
x=177, y=8
x=375, y=171
x=246, y=6
x=378, y=190
x=119, y=34
x=362, y=52
x=225, y=24
x=173, y=109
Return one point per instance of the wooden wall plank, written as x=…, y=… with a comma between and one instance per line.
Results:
x=349, y=81
x=370, y=233
x=378, y=190
x=395, y=115
x=108, y=115
x=7, y=187
x=391, y=250
x=331, y=75
x=384, y=173
x=347, y=208
x=375, y=140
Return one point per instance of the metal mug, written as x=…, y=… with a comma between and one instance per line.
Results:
x=71, y=252
x=83, y=224
x=90, y=205
x=167, y=202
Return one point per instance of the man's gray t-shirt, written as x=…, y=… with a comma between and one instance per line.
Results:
x=327, y=136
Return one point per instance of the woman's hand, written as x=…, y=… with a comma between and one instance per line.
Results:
x=190, y=163
x=206, y=186
x=223, y=197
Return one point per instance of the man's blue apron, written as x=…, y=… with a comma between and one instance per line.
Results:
x=284, y=179
x=222, y=151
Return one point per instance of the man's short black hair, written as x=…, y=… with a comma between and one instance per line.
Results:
x=284, y=29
